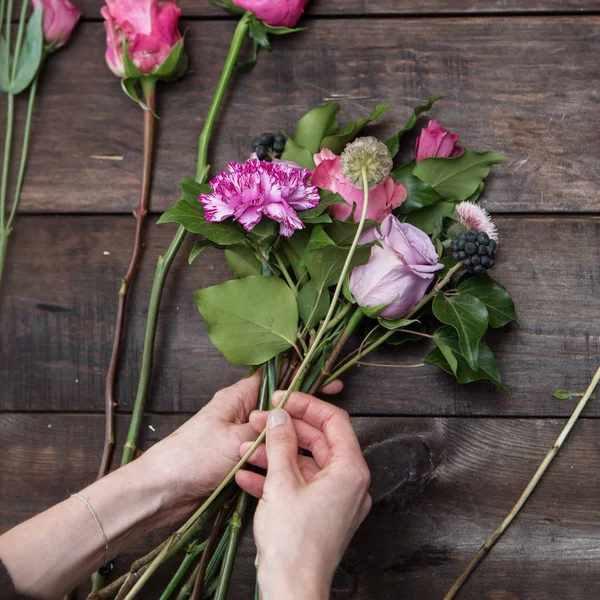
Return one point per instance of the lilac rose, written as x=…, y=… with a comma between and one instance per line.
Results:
x=398, y=273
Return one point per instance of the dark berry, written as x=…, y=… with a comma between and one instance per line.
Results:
x=470, y=248
x=279, y=148
x=455, y=256
x=455, y=245
x=483, y=238
x=475, y=260
x=492, y=245
x=471, y=237
x=485, y=261
x=256, y=143
x=482, y=250
x=462, y=236
x=492, y=263
x=279, y=143
x=267, y=139
x=461, y=244
x=462, y=255
x=106, y=569
x=467, y=262
x=479, y=270
x=262, y=153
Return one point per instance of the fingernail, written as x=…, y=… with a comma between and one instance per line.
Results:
x=277, y=417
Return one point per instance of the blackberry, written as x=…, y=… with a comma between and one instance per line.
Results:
x=268, y=146
x=106, y=569
x=262, y=153
x=475, y=250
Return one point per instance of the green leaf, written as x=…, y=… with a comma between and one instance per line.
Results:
x=192, y=218
x=566, y=395
x=131, y=69
x=198, y=248
x=283, y=30
x=477, y=193
x=372, y=312
x=455, y=179
x=446, y=351
x=294, y=248
x=264, y=234
x=497, y=300
x=418, y=193
x=428, y=219
x=393, y=143
x=258, y=32
x=468, y=316
x=31, y=53
x=242, y=261
x=191, y=190
x=250, y=320
x=337, y=142
x=327, y=199
x=313, y=127
x=397, y=323
x=248, y=64
x=294, y=152
x=313, y=303
x=174, y=65
x=342, y=232
x=229, y=6
x=129, y=86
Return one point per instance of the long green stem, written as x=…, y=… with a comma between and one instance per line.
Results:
x=164, y=262
x=297, y=378
x=20, y=31
x=391, y=332
x=191, y=555
x=4, y=231
x=484, y=550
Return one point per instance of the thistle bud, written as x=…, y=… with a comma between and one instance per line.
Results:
x=370, y=154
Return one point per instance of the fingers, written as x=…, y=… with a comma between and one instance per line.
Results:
x=307, y=465
x=335, y=387
x=238, y=400
x=250, y=482
x=282, y=446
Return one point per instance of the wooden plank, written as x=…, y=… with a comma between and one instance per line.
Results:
x=193, y=8
x=441, y=486
x=524, y=86
x=59, y=298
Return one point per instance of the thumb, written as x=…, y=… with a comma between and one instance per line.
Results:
x=282, y=444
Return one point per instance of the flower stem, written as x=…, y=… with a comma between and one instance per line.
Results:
x=484, y=550
x=165, y=261
x=295, y=381
x=438, y=286
x=191, y=555
x=4, y=231
x=149, y=88
x=285, y=273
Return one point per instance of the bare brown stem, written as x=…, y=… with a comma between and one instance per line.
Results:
x=140, y=214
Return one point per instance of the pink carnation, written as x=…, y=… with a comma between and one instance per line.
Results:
x=471, y=216
x=248, y=191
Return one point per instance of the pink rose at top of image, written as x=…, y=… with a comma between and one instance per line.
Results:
x=255, y=189
x=436, y=142
x=150, y=29
x=59, y=20
x=278, y=13
x=399, y=272
x=384, y=198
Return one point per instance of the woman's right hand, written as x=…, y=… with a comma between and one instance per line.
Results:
x=310, y=507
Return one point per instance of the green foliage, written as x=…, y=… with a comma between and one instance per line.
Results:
x=456, y=179
x=294, y=248
x=418, y=193
x=191, y=190
x=468, y=316
x=430, y=218
x=497, y=300
x=566, y=395
x=242, y=261
x=397, y=323
x=327, y=199
x=175, y=65
x=250, y=320
x=313, y=303
x=393, y=143
x=198, y=248
x=129, y=85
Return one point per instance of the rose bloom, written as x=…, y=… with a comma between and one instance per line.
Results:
x=278, y=13
x=399, y=272
x=59, y=20
x=384, y=198
x=436, y=142
x=150, y=29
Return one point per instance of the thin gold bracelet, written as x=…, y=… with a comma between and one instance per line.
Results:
x=98, y=524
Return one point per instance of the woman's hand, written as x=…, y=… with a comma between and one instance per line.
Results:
x=310, y=507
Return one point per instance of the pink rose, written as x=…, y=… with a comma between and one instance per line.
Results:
x=150, y=28
x=436, y=142
x=382, y=199
x=59, y=20
x=397, y=274
x=278, y=13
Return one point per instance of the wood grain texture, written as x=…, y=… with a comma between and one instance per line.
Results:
x=58, y=312
x=440, y=487
x=523, y=86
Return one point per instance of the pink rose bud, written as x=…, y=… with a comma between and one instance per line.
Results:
x=150, y=29
x=436, y=142
x=399, y=272
x=278, y=13
x=382, y=199
x=59, y=20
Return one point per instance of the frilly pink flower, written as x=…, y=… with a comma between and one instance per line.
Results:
x=248, y=191
x=383, y=199
x=278, y=13
x=150, y=28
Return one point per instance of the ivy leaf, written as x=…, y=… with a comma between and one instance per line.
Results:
x=313, y=303
x=242, y=261
x=250, y=320
x=337, y=142
x=428, y=219
x=455, y=179
x=445, y=349
x=393, y=143
x=31, y=53
x=497, y=300
x=468, y=316
x=418, y=193
x=192, y=218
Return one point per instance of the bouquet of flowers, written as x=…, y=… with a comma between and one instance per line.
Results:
x=326, y=238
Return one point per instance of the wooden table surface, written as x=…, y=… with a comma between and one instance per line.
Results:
x=448, y=461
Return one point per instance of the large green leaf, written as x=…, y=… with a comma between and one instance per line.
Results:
x=314, y=126
x=468, y=316
x=242, y=261
x=250, y=320
x=294, y=152
x=455, y=179
x=497, y=300
x=31, y=53
x=428, y=219
x=313, y=303
x=418, y=193
x=393, y=143
x=192, y=218
x=337, y=142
